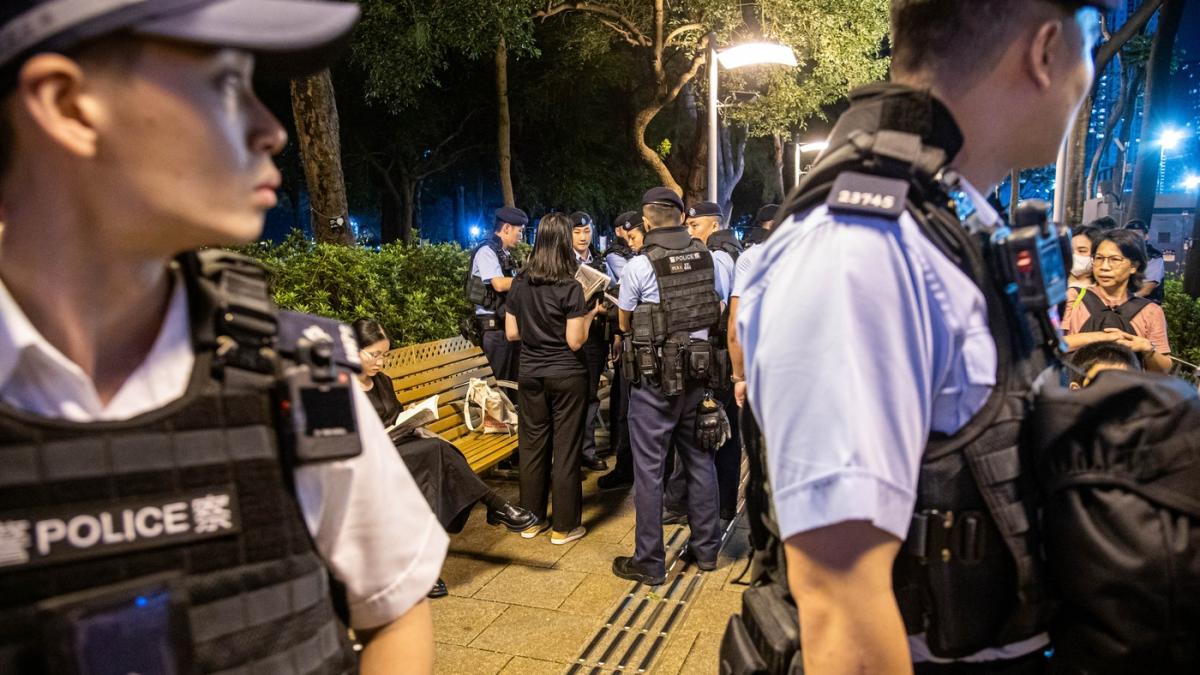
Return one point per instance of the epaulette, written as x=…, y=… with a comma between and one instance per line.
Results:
x=294, y=326
x=865, y=194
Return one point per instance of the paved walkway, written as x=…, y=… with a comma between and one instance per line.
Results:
x=527, y=606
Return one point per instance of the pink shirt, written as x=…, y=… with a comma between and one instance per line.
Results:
x=1150, y=323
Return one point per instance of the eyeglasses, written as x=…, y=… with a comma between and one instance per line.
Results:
x=372, y=356
x=1114, y=260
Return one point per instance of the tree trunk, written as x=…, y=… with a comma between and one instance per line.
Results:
x=1191, y=266
x=730, y=168
x=315, y=108
x=1115, y=114
x=647, y=154
x=780, y=191
x=409, y=190
x=1158, y=86
x=697, y=175
x=390, y=211
x=504, y=128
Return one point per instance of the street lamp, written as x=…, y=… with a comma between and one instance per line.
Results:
x=1171, y=138
x=801, y=150
x=750, y=54
x=1191, y=182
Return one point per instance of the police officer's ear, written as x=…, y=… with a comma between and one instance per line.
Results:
x=1046, y=53
x=50, y=92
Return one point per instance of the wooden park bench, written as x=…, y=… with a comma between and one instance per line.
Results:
x=445, y=367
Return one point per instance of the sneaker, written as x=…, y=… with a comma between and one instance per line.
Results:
x=626, y=568
x=560, y=538
x=439, y=590
x=535, y=529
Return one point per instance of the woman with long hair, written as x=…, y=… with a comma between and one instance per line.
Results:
x=548, y=315
x=440, y=470
x=1109, y=311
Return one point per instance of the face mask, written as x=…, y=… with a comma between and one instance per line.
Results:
x=1080, y=264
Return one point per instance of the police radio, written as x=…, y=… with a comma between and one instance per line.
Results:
x=317, y=407
x=1028, y=260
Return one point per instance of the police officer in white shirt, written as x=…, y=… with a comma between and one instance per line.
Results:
x=893, y=342
x=143, y=487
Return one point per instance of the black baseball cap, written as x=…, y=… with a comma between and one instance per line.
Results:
x=512, y=216
x=704, y=209
x=767, y=213
x=288, y=37
x=630, y=220
x=662, y=196
x=580, y=219
x=1138, y=225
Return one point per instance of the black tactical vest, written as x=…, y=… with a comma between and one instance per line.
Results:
x=619, y=247
x=188, y=507
x=967, y=575
x=727, y=241
x=480, y=292
x=683, y=269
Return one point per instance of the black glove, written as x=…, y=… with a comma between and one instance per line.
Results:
x=712, y=425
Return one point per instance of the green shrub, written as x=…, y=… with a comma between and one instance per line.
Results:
x=415, y=291
x=1183, y=321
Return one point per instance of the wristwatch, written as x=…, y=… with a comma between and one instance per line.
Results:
x=736, y=380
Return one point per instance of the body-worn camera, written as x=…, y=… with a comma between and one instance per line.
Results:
x=1028, y=259
x=317, y=407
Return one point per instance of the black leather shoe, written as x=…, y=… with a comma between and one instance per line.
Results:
x=626, y=568
x=514, y=518
x=672, y=518
x=614, y=480
x=595, y=464
x=438, y=591
x=687, y=555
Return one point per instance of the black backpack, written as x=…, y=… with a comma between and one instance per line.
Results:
x=1102, y=316
x=1119, y=472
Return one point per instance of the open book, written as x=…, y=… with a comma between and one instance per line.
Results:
x=591, y=280
x=416, y=416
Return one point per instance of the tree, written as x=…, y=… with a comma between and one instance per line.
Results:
x=317, y=128
x=1145, y=170
x=1132, y=66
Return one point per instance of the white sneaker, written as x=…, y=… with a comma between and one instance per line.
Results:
x=535, y=529
x=573, y=535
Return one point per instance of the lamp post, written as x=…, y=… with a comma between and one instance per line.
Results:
x=750, y=54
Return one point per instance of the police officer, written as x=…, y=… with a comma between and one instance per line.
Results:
x=704, y=224
x=181, y=461
x=764, y=220
x=908, y=339
x=490, y=277
x=626, y=244
x=670, y=298
x=595, y=350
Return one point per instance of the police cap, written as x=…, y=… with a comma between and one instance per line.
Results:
x=662, y=196
x=703, y=209
x=580, y=219
x=630, y=220
x=289, y=37
x=512, y=216
x=767, y=213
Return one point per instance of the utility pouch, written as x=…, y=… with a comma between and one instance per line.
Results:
x=647, y=366
x=673, y=370
x=642, y=322
x=140, y=626
x=700, y=362
x=719, y=374
x=629, y=364
x=480, y=293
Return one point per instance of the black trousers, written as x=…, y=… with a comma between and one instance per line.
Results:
x=550, y=442
x=595, y=353
x=503, y=356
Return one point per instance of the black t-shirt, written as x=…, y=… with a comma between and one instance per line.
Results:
x=542, y=312
x=383, y=399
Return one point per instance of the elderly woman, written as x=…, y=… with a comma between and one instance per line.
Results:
x=445, y=478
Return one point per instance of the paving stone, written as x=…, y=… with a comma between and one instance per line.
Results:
x=704, y=658
x=456, y=660
x=531, y=586
x=536, y=552
x=465, y=574
x=523, y=666
x=537, y=633
x=595, y=596
x=459, y=620
x=590, y=555
x=710, y=609
x=674, y=653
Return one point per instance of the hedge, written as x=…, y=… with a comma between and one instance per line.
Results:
x=1183, y=321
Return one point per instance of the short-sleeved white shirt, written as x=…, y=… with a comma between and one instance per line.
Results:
x=370, y=522
x=486, y=266
x=860, y=339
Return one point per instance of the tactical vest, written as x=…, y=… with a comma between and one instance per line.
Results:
x=619, y=247
x=755, y=236
x=183, y=516
x=967, y=576
x=725, y=240
x=683, y=269
x=480, y=292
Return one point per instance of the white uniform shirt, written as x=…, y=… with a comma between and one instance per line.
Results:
x=370, y=522
x=860, y=339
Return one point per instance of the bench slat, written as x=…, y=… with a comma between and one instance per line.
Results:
x=472, y=364
x=406, y=370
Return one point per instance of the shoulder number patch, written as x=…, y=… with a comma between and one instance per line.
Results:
x=855, y=192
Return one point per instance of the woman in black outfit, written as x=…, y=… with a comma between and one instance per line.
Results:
x=547, y=313
x=441, y=471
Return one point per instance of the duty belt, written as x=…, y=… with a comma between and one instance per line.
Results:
x=488, y=322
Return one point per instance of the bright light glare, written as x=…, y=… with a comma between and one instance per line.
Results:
x=1191, y=181
x=755, y=53
x=1171, y=139
x=818, y=146
x=474, y=231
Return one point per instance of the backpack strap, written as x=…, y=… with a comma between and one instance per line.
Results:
x=1095, y=307
x=1132, y=307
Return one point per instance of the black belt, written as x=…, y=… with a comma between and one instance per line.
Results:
x=488, y=322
